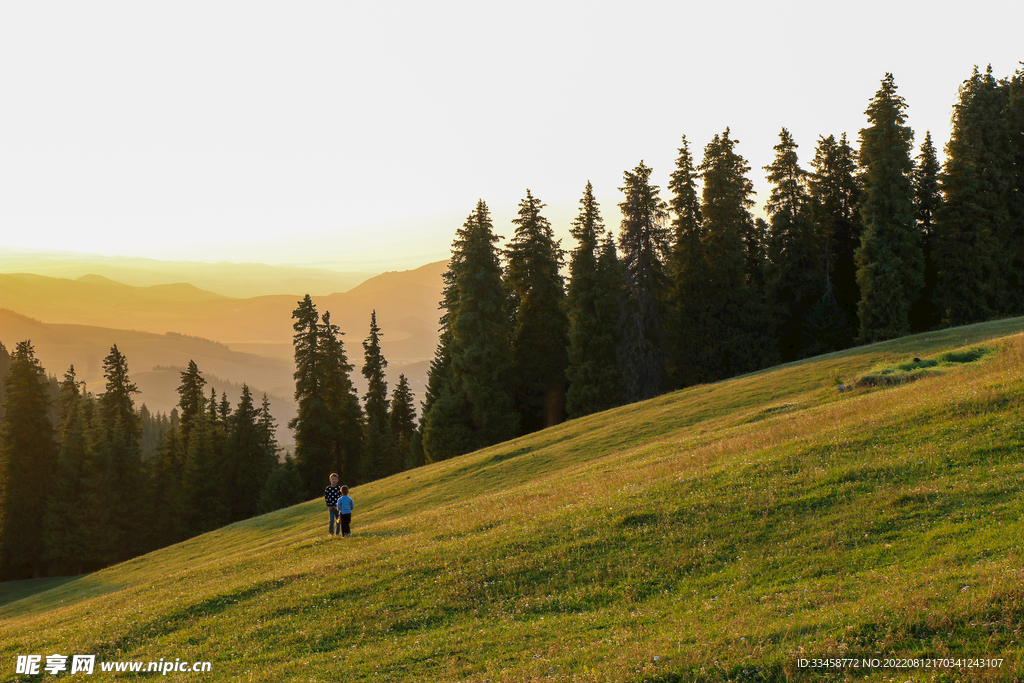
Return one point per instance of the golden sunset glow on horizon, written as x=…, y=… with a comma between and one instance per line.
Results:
x=351, y=134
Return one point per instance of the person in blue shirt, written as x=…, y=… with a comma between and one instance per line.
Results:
x=331, y=495
x=345, y=507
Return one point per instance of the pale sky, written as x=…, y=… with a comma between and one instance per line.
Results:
x=217, y=130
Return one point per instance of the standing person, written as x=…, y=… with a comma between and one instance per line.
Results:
x=331, y=495
x=345, y=507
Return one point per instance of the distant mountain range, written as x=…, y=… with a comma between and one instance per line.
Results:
x=241, y=280
x=160, y=328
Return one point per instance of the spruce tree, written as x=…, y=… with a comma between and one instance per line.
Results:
x=314, y=425
x=343, y=405
x=795, y=279
x=247, y=461
x=925, y=314
x=689, y=292
x=402, y=424
x=644, y=241
x=268, y=430
x=539, y=325
x=835, y=195
x=124, y=434
x=378, y=453
x=61, y=523
x=167, y=494
x=192, y=401
x=890, y=265
x=474, y=405
x=98, y=515
x=283, y=488
x=592, y=304
x=205, y=507
x=972, y=226
x=28, y=457
x=735, y=334
x=1013, y=241
x=5, y=367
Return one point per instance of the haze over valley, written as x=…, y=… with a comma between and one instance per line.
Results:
x=234, y=340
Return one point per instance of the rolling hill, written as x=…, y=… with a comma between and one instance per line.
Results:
x=238, y=340
x=155, y=362
x=406, y=303
x=240, y=280
x=719, y=533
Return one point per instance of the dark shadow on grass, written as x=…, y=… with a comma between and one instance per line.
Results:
x=12, y=591
x=63, y=592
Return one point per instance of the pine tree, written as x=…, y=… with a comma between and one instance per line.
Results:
x=167, y=494
x=192, y=401
x=284, y=488
x=206, y=507
x=328, y=426
x=473, y=407
x=61, y=525
x=890, y=265
x=644, y=241
x=124, y=434
x=343, y=404
x=796, y=279
x=735, y=337
x=378, y=450
x=97, y=516
x=972, y=225
x=28, y=456
x=402, y=424
x=925, y=314
x=5, y=367
x=592, y=304
x=690, y=295
x=1013, y=241
x=313, y=425
x=247, y=462
x=835, y=194
x=268, y=430
x=540, y=325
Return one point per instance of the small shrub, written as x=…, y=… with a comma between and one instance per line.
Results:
x=965, y=356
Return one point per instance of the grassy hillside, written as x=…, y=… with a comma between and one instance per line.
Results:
x=718, y=533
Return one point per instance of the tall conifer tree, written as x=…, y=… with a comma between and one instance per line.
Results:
x=124, y=433
x=343, y=404
x=592, y=304
x=890, y=265
x=736, y=320
x=378, y=452
x=835, y=194
x=540, y=325
x=927, y=200
x=474, y=405
x=62, y=532
x=690, y=295
x=314, y=425
x=28, y=456
x=402, y=423
x=1014, y=240
x=645, y=243
x=971, y=226
x=796, y=279
x=247, y=460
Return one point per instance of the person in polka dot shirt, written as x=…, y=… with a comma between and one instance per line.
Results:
x=331, y=495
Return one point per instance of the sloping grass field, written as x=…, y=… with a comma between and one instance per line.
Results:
x=720, y=533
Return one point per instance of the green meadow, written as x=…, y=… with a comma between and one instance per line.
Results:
x=720, y=533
